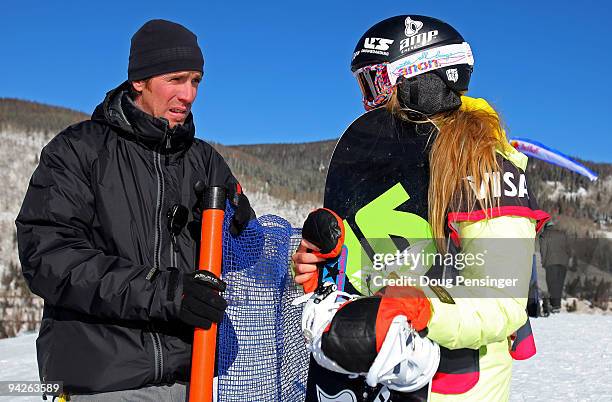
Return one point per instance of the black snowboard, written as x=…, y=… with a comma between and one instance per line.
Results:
x=377, y=182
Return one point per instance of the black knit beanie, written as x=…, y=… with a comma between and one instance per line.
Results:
x=161, y=47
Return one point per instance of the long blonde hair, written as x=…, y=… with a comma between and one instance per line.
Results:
x=464, y=150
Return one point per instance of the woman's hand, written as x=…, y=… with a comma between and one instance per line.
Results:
x=324, y=230
x=305, y=266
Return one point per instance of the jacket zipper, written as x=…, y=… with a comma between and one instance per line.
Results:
x=159, y=362
x=157, y=344
x=167, y=142
x=173, y=246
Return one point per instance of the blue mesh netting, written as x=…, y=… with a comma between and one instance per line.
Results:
x=261, y=351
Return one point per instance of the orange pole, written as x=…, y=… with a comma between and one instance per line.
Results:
x=205, y=340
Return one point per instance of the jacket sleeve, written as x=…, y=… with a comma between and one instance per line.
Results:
x=59, y=260
x=486, y=314
x=219, y=171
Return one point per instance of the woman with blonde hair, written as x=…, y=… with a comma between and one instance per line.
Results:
x=414, y=71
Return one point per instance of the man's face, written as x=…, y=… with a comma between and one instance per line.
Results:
x=169, y=95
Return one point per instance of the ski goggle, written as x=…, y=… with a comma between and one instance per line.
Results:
x=375, y=85
x=377, y=81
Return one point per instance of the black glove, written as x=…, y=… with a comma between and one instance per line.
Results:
x=325, y=229
x=201, y=304
x=243, y=212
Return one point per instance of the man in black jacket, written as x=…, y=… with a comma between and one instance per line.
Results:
x=121, y=300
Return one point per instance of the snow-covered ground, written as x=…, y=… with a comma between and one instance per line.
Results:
x=18, y=363
x=606, y=233
x=574, y=361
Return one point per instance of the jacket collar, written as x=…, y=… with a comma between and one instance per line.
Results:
x=119, y=111
x=505, y=149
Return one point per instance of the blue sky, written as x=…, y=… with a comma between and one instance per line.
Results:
x=279, y=71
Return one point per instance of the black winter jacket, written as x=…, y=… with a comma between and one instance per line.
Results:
x=91, y=229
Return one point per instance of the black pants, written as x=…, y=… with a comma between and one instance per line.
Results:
x=555, y=278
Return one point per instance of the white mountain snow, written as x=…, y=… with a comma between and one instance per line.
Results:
x=557, y=189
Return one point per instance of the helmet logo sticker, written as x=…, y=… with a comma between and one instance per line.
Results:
x=412, y=27
x=452, y=75
x=419, y=40
x=377, y=43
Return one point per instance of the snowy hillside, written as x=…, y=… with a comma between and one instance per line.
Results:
x=294, y=212
x=557, y=189
x=573, y=363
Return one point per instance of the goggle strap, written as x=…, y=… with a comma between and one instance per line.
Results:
x=442, y=56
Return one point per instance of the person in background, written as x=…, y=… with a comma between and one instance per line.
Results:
x=542, y=288
x=556, y=253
